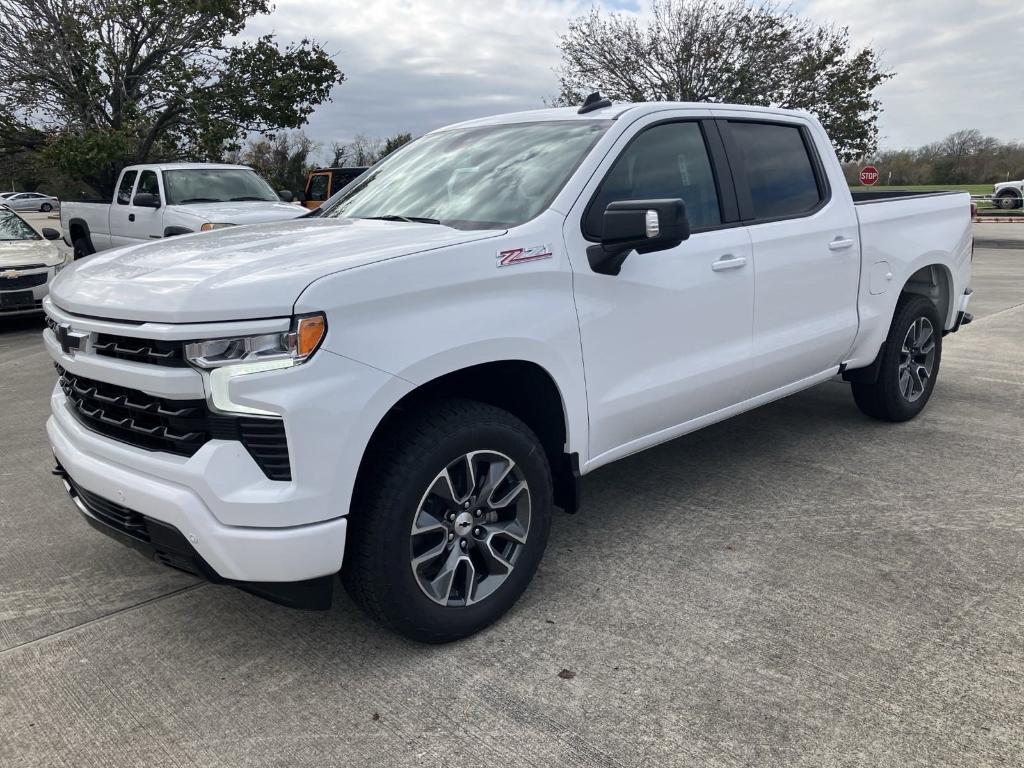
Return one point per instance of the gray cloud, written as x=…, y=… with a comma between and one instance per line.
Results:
x=414, y=65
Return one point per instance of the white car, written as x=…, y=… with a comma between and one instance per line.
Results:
x=30, y=201
x=152, y=202
x=405, y=386
x=28, y=263
x=1008, y=194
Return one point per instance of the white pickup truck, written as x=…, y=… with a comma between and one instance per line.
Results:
x=1008, y=194
x=152, y=202
x=402, y=388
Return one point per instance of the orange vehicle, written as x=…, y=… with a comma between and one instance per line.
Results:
x=324, y=182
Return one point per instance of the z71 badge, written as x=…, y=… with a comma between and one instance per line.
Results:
x=523, y=255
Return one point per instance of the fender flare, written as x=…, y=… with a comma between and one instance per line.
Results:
x=172, y=231
x=79, y=222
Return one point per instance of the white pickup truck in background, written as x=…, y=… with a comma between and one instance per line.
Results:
x=152, y=202
x=403, y=387
x=1008, y=194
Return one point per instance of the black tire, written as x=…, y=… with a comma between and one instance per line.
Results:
x=45, y=207
x=1008, y=201
x=82, y=247
x=886, y=399
x=393, y=487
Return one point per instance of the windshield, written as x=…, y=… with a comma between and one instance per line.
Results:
x=491, y=177
x=216, y=185
x=13, y=228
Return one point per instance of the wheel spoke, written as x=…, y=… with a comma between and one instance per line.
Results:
x=430, y=555
x=905, y=382
x=925, y=334
x=469, y=585
x=497, y=471
x=510, y=529
x=496, y=564
x=509, y=497
x=426, y=522
x=441, y=584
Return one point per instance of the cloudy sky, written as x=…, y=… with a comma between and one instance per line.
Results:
x=414, y=65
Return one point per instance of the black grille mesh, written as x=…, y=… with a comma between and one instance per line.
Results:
x=21, y=282
x=180, y=427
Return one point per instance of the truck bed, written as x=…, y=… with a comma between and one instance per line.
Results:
x=880, y=196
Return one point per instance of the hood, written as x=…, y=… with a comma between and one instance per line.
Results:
x=23, y=253
x=242, y=212
x=235, y=274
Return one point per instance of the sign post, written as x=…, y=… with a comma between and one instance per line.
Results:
x=868, y=175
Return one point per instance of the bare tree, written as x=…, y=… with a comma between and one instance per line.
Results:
x=727, y=51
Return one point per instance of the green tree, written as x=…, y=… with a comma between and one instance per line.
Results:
x=394, y=142
x=282, y=160
x=735, y=51
x=96, y=84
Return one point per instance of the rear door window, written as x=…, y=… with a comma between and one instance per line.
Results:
x=124, y=189
x=780, y=171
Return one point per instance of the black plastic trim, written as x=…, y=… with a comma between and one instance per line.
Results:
x=162, y=542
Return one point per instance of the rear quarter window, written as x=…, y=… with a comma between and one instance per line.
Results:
x=779, y=167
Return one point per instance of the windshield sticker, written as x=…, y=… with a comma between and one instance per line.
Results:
x=523, y=255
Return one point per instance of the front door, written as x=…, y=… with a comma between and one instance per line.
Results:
x=667, y=340
x=137, y=224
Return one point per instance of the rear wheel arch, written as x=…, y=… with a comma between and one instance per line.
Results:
x=523, y=388
x=78, y=229
x=935, y=282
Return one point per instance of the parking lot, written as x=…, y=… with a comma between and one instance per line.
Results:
x=798, y=586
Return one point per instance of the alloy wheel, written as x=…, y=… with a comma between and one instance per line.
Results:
x=917, y=359
x=470, y=528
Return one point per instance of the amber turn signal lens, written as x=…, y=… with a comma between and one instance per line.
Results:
x=310, y=333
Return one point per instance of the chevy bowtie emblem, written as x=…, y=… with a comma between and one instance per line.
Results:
x=69, y=340
x=10, y=274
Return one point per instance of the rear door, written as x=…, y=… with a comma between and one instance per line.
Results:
x=120, y=209
x=666, y=341
x=806, y=249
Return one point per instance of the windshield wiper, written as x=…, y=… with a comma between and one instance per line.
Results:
x=396, y=217
x=199, y=200
x=249, y=197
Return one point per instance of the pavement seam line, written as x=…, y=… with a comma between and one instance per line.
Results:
x=104, y=617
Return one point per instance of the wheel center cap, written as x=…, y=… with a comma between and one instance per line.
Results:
x=463, y=524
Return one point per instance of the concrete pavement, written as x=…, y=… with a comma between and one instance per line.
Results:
x=799, y=586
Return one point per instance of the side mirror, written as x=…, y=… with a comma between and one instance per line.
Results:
x=146, y=200
x=643, y=226
x=285, y=195
x=50, y=234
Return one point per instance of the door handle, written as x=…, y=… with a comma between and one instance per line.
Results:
x=729, y=262
x=840, y=244
x=131, y=217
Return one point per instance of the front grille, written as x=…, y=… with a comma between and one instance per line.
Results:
x=180, y=427
x=21, y=307
x=123, y=519
x=151, y=351
x=21, y=282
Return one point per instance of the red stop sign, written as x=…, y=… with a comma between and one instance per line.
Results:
x=868, y=175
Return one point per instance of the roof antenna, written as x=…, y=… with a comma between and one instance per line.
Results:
x=592, y=102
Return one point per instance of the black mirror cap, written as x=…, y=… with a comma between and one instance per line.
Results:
x=625, y=229
x=285, y=195
x=146, y=200
x=50, y=233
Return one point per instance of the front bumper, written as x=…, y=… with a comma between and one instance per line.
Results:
x=166, y=545
x=233, y=553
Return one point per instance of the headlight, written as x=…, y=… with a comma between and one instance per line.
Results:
x=224, y=359
x=68, y=258
x=210, y=226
